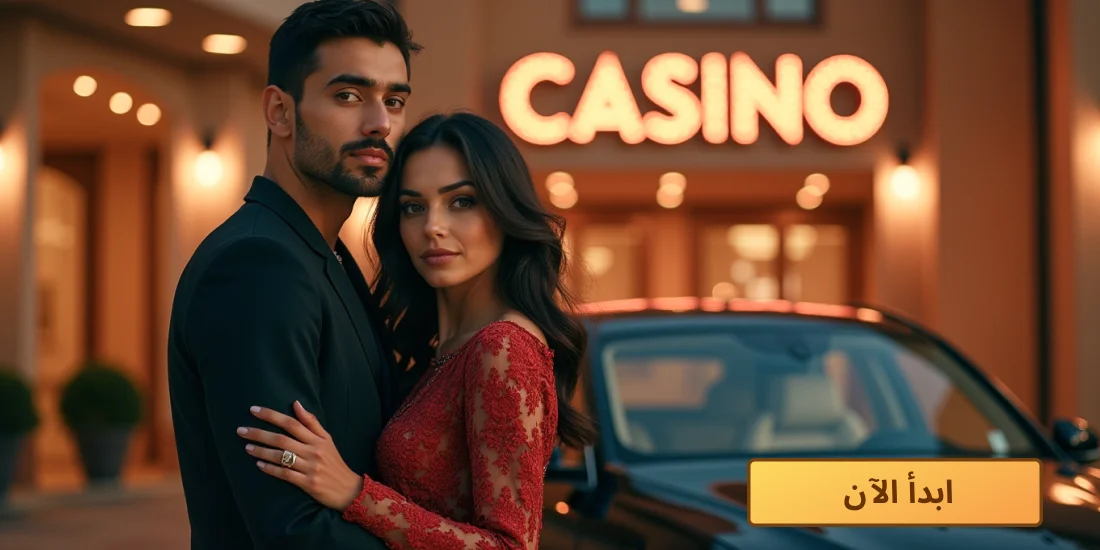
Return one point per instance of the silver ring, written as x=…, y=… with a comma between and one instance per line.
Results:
x=288, y=459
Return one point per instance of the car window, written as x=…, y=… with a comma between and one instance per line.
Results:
x=810, y=388
x=955, y=417
x=853, y=394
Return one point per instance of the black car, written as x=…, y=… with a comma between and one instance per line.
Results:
x=687, y=391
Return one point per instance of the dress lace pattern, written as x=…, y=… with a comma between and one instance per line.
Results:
x=462, y=464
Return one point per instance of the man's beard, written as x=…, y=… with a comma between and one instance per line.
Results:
x=315, y=159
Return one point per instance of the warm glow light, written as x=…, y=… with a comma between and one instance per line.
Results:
x=905, y=182
x=565, y=200
x=724, y=291
x=558, y=179
x=734, y=95
x=148, y=114
x=561, y=188
x=673, y=303
x=868, y=315
x=808, y=198
x=820, y=182
x=800, y=242
x=756, y=242
x=148, y=17
x=85, y=86
x=121, y=103
x=598, y=260
x=561, y=508
x=2, y=159
x=673, y=181
x=208, y=168
x=224, y=44
x=755, y=97
x=691, y=6
x=670, y=197
x=874, y=100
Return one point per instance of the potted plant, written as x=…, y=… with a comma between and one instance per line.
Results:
x=101, y=406
x=18, y=417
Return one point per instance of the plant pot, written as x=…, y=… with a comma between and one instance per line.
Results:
x=9, y=459
x=103, y=452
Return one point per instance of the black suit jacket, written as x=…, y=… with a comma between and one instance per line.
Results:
x=265, y=314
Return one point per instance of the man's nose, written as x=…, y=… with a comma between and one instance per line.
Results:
x=376, y=120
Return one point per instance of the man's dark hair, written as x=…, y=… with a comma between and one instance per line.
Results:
x=293, y=53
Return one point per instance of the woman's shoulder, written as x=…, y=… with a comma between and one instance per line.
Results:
x=520, y=334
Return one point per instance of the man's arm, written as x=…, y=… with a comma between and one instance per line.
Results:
x=253, y=329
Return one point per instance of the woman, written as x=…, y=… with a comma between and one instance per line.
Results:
x=471, y=285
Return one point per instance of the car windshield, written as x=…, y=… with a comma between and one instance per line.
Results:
x=800, y=387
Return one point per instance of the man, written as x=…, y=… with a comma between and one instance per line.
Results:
x=271, y=307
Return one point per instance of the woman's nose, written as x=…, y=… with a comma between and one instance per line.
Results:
x=436, y=224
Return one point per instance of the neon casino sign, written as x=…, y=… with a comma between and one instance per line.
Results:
x=734, y=96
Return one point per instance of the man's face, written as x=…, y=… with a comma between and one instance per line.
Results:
x=351, y=115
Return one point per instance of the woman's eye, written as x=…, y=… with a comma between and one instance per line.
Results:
x=464, y=202
x=409, y=208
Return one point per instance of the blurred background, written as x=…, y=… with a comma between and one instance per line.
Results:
x=937, y=157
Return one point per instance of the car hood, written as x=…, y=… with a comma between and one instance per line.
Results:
x=709, y=498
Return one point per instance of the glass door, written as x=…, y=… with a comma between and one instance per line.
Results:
x=611, y=257
x=777, y=257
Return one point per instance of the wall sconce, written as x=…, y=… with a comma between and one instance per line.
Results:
x=208, y=165
x=905, y=181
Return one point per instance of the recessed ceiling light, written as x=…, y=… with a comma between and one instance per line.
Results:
x=121, y=103
x=225, y=44
x=148, y=17
x=148, y=114
x=85, y=86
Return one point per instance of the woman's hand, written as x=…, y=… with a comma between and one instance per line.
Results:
x=315, y=466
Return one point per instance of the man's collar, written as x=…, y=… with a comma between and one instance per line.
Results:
x=268, y=193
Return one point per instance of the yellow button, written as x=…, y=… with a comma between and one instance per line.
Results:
x=822, y=492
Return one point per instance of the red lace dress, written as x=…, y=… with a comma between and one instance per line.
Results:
x=462, y=462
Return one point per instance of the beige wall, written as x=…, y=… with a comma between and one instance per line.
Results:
x=982, y=134
x=1075, y=238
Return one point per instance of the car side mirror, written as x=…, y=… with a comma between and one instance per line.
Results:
x=1076, y=438
x=582, y=476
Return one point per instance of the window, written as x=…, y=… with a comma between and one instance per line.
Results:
x=783, y=255
x=611, y=261
x=743, y=261
x=699, y=11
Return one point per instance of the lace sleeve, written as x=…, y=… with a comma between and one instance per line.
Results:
x=511, y=414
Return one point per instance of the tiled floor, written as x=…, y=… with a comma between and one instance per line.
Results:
x=153, y=518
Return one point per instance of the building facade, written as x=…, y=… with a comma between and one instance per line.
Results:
x=935, y=157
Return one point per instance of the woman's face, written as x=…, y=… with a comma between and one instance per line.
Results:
x=450, y=236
